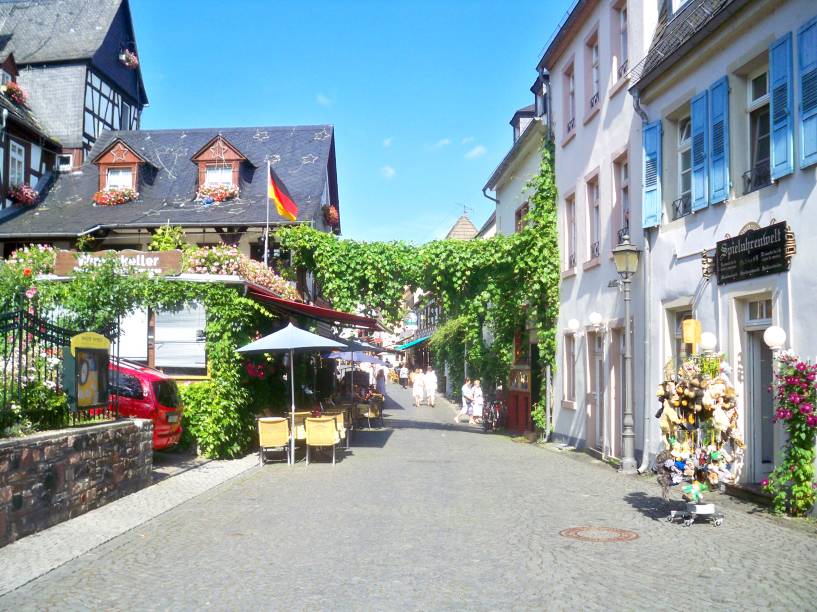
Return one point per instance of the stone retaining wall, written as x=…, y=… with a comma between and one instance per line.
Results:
x=51, y=477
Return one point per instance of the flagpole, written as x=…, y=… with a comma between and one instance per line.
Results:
x=266, y=229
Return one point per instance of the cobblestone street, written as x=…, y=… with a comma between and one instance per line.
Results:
x=428, y=515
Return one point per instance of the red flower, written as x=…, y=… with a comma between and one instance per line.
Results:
x=27, y=272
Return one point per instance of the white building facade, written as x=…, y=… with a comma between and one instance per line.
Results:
x=730, y=153
x=597, y=146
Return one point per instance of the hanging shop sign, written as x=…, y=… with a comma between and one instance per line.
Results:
x=754, y=253
x=162, y=263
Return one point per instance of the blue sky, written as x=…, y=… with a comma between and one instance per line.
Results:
x=420, y=92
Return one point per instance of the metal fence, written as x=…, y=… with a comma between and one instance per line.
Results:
x=32, y=389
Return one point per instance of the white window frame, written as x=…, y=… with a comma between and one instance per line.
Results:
x=755, y=104
x=17, y=163
x=765, y=309
x=64, y=167
x=117, y=172
x=570, y=367
x=5, y=77
x=594, y=215
x=218, y=171
x=684, y=146
x=570, y=218
x=678, y=316
x=595, y=84
x=623, y=53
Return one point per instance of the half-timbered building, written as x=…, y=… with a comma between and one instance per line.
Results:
x=77, y=61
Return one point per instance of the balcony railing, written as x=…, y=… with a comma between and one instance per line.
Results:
x=594, y=100
x=571, y=125
x=682, y=207
x=624, y=231
x=622, y=70
x=594, y=250
x=758, y=177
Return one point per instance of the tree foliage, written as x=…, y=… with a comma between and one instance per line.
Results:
x=497, y=284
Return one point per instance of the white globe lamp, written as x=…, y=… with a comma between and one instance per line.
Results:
x=708, y=342
x=774, y=337
x=573, y=325
x=595, y=319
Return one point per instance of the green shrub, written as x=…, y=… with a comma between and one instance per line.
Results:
x=218, y=417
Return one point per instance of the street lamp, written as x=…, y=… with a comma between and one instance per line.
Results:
x=625, y=256
x=595, y=319
x=774, y=337
x=573, y=325
x=708, y=342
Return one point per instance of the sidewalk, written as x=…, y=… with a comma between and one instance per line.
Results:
x=37, y=554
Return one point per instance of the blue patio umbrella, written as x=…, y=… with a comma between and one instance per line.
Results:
x=291, y=339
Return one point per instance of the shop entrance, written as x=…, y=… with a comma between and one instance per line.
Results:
x=760, y=406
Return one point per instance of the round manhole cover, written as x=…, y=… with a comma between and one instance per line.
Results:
x=599, y=534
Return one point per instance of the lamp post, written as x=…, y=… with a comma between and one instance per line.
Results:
x=626, y=260
x=775, y=338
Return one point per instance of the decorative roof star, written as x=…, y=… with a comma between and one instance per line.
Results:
x=322, y=135
x=119, y=153
x=309, y=159
x=219, y=150
x=261, y=136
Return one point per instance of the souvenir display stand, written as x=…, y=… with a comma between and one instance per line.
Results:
x=699, y=424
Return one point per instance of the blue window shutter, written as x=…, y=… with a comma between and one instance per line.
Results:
x=719, y=141
x=651, y=179
x=780, y=89
x=807, y=68
x=700, y=143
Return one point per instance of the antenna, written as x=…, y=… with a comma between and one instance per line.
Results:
x=465, y=207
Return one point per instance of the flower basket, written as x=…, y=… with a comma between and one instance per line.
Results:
x=14, y=92
x=331, y=216
x=129, y=59
x=216, y=193
x=115, y=196
x=24, y=194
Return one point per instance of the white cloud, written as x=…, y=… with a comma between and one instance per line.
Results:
x=324, y=100
x=387, y=142
x=388, y=172
x=467, y=140
x=477, y=151
x=443, y=142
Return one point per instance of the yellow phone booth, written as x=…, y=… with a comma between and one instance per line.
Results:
x=85, y=371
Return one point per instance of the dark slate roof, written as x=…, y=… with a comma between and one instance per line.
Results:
x=24, y=116
x=675, y=34
x=49, y=30
x=301, y=156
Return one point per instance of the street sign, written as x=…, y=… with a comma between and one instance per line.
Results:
x=755, y=253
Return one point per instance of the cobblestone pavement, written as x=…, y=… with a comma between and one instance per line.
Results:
x=428, y=515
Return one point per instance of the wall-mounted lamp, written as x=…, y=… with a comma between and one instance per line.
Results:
x=774, y=337
x=573, y=325
x=708, y=342
x=596, y=319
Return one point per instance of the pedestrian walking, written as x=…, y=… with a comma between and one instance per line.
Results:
x=418, y=387
x=404, y=374
x=380, y=382
x=477, y=402
x=467, y=396
x=431, y=386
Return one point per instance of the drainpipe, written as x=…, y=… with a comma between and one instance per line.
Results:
x=645, y=455
x=494, y=200
x=647, y=284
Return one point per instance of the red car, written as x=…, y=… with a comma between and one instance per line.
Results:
x=146, y=393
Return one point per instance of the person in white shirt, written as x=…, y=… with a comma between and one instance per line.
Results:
x=467, y=396
x=431, y=386
x=418, y=387
x=476, y=403
x=404, y=374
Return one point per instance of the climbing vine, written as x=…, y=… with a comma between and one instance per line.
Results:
x=791, y=484
x=492, y=285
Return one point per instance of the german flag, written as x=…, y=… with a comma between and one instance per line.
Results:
x=278, y=194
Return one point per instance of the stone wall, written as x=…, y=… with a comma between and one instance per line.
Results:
x=51, y=477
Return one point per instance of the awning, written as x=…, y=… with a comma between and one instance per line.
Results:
x=403, y=347
x=319, y=313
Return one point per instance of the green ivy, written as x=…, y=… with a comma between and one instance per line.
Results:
x=499, y=284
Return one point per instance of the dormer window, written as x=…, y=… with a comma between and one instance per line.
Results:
x=119, y=166
x=218, y=174
x=119, y=177
x=5, y=77
x=219, y=163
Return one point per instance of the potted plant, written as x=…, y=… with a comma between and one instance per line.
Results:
x=129, y=59
x=14, y=92
x=115, y=196
x=331, y=216
x=207, y=194
x=23, y=194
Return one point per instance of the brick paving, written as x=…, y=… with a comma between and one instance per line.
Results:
x=428, y=515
